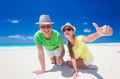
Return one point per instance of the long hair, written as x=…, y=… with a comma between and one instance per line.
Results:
x=69, y=45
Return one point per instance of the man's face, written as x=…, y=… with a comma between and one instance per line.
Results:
x=46, y=28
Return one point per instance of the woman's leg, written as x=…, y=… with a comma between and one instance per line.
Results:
x=79, y=61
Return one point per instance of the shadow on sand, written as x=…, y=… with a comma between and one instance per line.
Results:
x=66, y=71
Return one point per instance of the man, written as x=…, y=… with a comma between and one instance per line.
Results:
x=51, y=40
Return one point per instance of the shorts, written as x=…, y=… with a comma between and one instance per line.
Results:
x=88, y=62
x=51, y=54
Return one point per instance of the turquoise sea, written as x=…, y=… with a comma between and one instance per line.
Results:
x=29, y=45
x=14, y=45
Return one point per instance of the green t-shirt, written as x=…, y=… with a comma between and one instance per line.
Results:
x=53, y=43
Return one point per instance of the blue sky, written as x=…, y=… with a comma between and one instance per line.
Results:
x=18, y=17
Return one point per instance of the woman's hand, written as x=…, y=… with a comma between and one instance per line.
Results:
x=105, y=30
x=75, y=75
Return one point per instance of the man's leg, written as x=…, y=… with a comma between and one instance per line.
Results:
x=59, y=61
x=51, y=55
x=53, y=60
x=59, y=56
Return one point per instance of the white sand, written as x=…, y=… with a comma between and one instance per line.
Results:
x=20, y=62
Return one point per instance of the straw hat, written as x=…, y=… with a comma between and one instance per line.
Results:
x=68, y=24
x=44, y=19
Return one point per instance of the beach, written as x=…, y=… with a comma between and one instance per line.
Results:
x=20, y=62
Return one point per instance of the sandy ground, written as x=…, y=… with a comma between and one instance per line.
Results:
x=20, y=62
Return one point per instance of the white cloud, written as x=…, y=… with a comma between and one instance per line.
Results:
x=17, y=37
x=87, y=30
x=30, y=37
x=85, y=23
x=14, y=21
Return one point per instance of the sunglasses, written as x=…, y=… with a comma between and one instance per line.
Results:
x=68, y=29
x=46, y=26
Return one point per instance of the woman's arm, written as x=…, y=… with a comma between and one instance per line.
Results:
x=74, y=64
x=103, y=31
x=75, y=73
x=91, y=37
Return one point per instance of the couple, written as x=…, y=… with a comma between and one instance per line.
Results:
x=80, y=55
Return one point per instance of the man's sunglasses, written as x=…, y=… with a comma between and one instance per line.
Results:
x=68, y=29
x=46, y=26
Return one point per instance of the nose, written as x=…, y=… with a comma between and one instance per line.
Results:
x=66, y=31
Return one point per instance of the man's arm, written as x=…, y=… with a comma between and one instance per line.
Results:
x=62, y=51
x=41, y=60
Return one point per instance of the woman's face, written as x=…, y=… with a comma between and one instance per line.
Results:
x=68, y=31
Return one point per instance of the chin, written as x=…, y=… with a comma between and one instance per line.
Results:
x=66, y=36
x=48, y=32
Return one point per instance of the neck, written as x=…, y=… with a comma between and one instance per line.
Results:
x=72, y=40
x=48, y=36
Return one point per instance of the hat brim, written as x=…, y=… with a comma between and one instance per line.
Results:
x=44, y=23
x=69, y=26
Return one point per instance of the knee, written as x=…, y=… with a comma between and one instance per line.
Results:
x=59, y=62
x=69, y=63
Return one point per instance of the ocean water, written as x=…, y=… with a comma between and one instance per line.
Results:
x=16, y=45
x=32, y=45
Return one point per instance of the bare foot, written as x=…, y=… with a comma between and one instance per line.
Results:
x=38, y=72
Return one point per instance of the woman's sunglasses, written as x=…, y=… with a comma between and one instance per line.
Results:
x=46, y=26
x=68, y=29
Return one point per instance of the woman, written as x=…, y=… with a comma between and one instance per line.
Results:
x=80, y=55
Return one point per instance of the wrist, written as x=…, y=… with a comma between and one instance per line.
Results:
x=99, y=35
x=75, y=71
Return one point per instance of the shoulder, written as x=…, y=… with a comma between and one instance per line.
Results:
x=56, y=33
x=38, y=33
x=80, y=37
